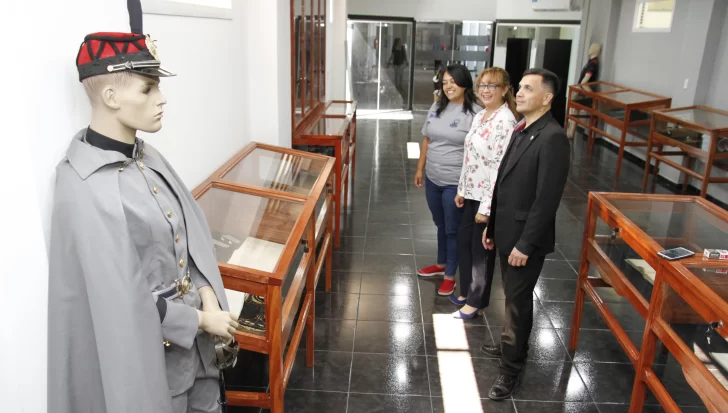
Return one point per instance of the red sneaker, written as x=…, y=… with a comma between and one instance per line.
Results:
x=447, y=287
x=431, y=271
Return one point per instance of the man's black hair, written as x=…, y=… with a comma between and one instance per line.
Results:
x=549, y=78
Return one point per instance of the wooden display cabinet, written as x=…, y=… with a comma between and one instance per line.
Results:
x=639, y=226
x=269, y=211
x=345, y=109
x=697, y=133
x=628, y=110
x=331, y=135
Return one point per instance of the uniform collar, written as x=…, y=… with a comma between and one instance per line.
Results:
x=86, y=159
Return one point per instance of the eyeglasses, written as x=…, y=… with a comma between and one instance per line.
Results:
x=490, y=86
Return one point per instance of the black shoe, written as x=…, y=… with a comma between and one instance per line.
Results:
x=503, y=387
x=492, y=350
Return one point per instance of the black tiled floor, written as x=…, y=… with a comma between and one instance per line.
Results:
x=386, y=342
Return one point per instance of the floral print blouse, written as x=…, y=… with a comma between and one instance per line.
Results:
x=485, y=145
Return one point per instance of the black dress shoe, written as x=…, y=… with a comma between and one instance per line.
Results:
x=503, y=387
x=492, y=350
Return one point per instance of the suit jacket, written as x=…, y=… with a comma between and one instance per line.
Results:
x=529, y=189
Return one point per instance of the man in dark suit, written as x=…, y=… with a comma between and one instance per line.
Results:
x=522, y=224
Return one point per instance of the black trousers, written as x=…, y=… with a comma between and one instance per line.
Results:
x=518, y=286
x=477, y=264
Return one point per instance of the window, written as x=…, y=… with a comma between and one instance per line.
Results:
x=654, y=15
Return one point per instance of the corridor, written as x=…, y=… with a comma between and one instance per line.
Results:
x=385, y=342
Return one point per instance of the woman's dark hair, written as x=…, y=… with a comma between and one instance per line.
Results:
x=461, y=76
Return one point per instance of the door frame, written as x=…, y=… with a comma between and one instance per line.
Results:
x=509, y=22
x=411, y=44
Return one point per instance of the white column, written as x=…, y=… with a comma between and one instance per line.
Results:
x=336, y=49
x=261, y=46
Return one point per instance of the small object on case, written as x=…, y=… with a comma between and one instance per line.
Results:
x=676, y=253
x=716, y=254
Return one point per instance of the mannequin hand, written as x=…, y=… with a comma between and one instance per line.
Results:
x=418, y=179
x=481, y=219
x=218, y=323
x=459, y=201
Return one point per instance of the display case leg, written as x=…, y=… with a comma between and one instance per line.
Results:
x=310, y=333
x=337, y=196
x=275, y=350
x=589, y=231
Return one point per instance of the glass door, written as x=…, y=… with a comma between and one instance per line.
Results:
x=380, y=58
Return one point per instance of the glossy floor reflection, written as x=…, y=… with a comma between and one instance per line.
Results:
x=385, y=342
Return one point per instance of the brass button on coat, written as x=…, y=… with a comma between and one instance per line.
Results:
x=156, y=190
x=141, y=165
x=169, y=213
x=176, y=239
x=182, y=263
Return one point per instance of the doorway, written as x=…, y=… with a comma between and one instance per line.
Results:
x=556, y=59
x=380, y=63
x=518, y=53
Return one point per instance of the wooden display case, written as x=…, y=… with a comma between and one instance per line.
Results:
x=624, y=229
x=331, y=135
x=308, y=60
x=269, y=211
x=628, y=110
x=344, y=109
x=696, y=133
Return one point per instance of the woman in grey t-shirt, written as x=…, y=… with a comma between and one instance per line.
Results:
x=441, y=160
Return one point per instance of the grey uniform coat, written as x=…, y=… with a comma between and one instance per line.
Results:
x=105, y=350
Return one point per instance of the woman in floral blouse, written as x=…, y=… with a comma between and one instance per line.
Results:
x=485, y=146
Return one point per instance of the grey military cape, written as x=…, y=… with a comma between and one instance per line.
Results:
x=105, y=351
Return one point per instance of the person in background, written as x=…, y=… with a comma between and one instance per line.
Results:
x=398, y=58
x=441, y=160
x=522, y=224
x=589, y=73
x=485, y=146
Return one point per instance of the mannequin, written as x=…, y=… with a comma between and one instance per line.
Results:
x=136, y=301
x=589, y=73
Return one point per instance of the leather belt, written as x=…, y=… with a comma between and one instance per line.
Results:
x=179, y=289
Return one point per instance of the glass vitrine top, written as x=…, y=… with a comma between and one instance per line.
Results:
x=599, y=87
x=248, y=230
x=675, y=223
x=329, y=126
x=278, y=170
x=629, y=97
x=705, y=118
x=340, y=109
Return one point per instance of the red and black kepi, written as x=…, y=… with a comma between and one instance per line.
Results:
x=104, y=53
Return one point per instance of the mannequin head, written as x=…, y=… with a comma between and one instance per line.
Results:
x=594, y=50
x=125, y=100
x=120, y=73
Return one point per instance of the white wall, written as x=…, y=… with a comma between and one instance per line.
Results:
x=439, y=10
x=718, y=90
x=42, y=107
x=336, y=49
x=523, y=10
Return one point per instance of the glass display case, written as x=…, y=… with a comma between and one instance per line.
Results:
x=638, y=293
x=607, y=104
x=696, y=133
x=270, y=213
x=346, y=109
x=331, y=136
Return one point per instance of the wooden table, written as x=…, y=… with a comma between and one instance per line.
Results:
x=698, y=133
x=345, y=109
x=644, y=225
x=628, y=110
x=269, y=210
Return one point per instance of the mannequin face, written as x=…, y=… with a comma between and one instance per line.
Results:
x=490, y=92
x=532, y=96
x=138, y=104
